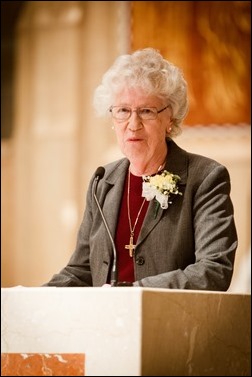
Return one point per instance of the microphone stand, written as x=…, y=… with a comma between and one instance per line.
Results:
x=114, y=266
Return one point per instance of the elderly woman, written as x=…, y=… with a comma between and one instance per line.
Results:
x=168, y=211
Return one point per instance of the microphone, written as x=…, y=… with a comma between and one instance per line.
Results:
x=100, y=171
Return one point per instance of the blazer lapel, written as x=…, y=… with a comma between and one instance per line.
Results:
x=177, y=164
x=113, y=191
x=152, y=217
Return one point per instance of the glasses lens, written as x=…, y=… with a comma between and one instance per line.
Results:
x=121, y=112
x=147, y=113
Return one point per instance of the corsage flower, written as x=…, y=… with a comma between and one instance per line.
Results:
x=161, y=186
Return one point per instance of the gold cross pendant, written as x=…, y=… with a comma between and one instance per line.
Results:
x=130, y=247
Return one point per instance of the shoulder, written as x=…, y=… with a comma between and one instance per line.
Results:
x=194, y=160
x=195, y=168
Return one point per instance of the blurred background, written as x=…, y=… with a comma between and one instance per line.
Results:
x=53, y=55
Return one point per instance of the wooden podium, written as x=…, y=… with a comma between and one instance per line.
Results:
x=124, y=331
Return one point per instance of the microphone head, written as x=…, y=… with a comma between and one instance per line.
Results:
x=100, y=171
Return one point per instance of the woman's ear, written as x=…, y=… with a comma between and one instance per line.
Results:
x=169, y=127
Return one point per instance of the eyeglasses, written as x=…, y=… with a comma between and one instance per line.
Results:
x=144, y=113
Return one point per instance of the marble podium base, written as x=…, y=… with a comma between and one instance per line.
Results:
x=125, y=331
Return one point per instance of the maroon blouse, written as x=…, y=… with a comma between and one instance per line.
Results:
x=125, y=262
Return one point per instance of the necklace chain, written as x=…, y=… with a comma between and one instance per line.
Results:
x=140, y=210
x=131, y=245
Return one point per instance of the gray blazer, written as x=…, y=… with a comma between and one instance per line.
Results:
x=189, y=245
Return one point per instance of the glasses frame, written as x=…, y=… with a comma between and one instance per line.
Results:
x=137, y=111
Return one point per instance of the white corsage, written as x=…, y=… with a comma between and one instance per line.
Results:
x=160, y=186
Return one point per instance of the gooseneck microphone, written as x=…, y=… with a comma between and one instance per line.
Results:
x=100, y=171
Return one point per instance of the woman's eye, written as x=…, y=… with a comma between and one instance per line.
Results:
x=124, y=110
x=146, y=111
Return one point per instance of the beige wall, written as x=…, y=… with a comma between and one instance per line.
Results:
x=63, y=48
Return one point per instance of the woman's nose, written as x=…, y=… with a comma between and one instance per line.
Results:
x=135, y=122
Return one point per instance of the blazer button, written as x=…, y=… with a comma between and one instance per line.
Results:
x=140, y=261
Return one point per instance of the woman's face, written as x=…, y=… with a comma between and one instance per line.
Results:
x=142, y=141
